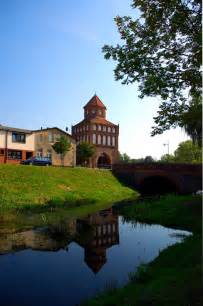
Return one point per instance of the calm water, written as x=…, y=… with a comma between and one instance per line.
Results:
x=64, y=264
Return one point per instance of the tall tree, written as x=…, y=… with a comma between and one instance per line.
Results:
x=124, y=158
x=187, y=152
x=84, y=151
x=62, y=146
x=161, y=50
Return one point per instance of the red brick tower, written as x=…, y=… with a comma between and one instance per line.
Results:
x=95, y=129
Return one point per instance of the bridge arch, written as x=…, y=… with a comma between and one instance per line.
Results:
x=158, y=184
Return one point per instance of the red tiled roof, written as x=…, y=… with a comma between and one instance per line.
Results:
x=95, y=101
x=97, y=120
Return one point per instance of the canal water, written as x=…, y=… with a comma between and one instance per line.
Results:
x=66, y=263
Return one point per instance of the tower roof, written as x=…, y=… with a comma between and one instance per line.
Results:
x=95, y=101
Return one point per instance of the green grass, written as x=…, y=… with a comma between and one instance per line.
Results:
x=174, y=277
x=33, y=187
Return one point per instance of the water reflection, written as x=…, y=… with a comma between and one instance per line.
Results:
x=94, y=233
x=66, y=261
x=104, y=234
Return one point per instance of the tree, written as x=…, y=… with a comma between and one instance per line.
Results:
x=161, y=50
x=187, y=152
x=84, y=152
x=167, y=158
x=124, y=158
x=61, y=146
x=149, y=159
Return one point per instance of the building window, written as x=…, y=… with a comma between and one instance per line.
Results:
x=51, y=137
x=14, y=154
x=94, y=139
x=39, y=153
x=109, y=129
x=109, y=140
x=104, y=128
x=100, y=112
x=18, y=137
x=99, y=127
x=93, y=111
x=49, y=154
x=99, y=139
x=113, y=130
x=94, y=127
x=104, y=140
x=1, y=152
x=113, y=141
x=40, y=137
x=87, y=127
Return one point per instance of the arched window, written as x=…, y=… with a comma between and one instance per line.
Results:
x=99, y=139
x=94, y=139
x=109, y=129
x=99, y=127
x=113, y=130
x=104, y=140
x=113, y=141
x=104, y=128
x=109, y=140
x=94, y=127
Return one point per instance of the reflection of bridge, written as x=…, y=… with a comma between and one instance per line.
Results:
x=161, y=177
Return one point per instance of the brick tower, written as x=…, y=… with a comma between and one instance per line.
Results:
x=95, y=129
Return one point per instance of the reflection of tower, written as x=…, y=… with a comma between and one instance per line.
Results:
x=104, y=234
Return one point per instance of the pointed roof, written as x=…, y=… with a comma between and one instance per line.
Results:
x=95, y=101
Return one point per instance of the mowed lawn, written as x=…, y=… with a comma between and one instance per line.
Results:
x=22, y=186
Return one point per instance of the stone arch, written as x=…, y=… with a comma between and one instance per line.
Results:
x=158, y=184
x=104, y=161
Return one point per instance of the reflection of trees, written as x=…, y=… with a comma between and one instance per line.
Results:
x=95, y=233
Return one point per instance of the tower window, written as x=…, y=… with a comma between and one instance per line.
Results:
x=104, y=140
x=99, y=139
x=94, y=139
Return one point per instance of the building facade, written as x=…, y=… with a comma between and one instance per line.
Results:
x=96, y=130
x=19, y=144
x=44, y=140
x=15, y=144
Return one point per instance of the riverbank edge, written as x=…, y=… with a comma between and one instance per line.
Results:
x=174, y=277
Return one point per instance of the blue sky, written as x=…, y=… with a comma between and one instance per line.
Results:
x=51, y=64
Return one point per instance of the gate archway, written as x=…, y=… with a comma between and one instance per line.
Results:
x=104, y=161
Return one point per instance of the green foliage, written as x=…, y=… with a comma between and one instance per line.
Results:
x=149, y=159
x=124, y=158
x=61, y=146
x=84, y=152
x=167, y=158
x=161, y=50
x=187, y=152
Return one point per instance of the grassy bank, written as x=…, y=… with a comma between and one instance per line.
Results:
x=32, y=186
x=174, y=277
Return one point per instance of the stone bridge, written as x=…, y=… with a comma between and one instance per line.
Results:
x=150, y=178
